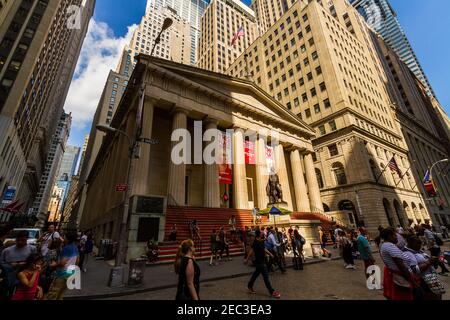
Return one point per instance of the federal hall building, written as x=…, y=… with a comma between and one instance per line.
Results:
x=175, y=96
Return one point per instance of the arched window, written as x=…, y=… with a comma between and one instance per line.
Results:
x=319, y=178
x=339, y=173
x=326, y=208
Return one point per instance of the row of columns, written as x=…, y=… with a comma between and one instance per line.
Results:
x=306, y=194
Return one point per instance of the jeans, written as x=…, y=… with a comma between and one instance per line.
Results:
x=261, y=269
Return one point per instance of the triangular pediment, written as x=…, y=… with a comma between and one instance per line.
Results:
x=242, y=91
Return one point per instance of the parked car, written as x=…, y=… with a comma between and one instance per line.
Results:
x=33, y=235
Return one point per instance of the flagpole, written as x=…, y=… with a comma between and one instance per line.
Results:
x=403, y=177
x=384, y=170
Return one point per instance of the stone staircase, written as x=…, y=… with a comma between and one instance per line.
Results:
x=213, y=219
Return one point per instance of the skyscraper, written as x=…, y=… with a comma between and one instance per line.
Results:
x=269, y=11
x=50, y=171
x=382, y=18
x=40, y=41
x=228, y=28
x=190, y=11
x=175, y=42
x=318, y=61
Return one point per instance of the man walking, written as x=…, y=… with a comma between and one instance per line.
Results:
x=273, y=246
x=17, y=255
x=259, y=254
x=365, y=249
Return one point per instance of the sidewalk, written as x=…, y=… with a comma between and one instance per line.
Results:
x=94, y=282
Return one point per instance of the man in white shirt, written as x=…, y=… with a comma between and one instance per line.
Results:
x=47, y=239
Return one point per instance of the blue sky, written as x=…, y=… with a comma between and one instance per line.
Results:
x=425, y=24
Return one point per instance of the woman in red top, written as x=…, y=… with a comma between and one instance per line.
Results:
x=28, y=287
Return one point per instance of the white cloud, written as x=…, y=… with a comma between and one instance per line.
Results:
x=100, y=53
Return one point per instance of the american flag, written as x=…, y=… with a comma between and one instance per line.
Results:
x=394, y=167
x=238, y=34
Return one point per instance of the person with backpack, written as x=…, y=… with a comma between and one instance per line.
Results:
x=434, y=244
x=50, y=243
x=28, y=280
x=259, y=253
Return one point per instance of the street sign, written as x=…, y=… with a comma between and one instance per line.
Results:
x=121, y=188
x=149, y=141
x=9, y=195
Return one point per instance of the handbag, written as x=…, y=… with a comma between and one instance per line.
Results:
x=433, y=283
x=400, y=281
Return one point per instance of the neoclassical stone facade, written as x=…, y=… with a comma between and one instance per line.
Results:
x=182, y=97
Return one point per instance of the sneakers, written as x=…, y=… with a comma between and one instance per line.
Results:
x=276, y=295
x=350, y=266
x=251, y=291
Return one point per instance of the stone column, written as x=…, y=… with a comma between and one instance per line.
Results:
x=177, y=172
x=262, y=174
x=313, y=186
x=211, y=197
x=280, y=163
x=301, y=192
x=142, y=166
x=240, y=192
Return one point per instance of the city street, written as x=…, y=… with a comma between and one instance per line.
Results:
x=322, y=281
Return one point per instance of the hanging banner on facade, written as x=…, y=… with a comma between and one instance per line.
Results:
x=270, y=160
x=249, y=147
x=224, y=161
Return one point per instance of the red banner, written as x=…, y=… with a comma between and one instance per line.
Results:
x=225, y=170
x=249, y=147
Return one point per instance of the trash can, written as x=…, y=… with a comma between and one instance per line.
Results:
x=316, y=249
x=137, y=272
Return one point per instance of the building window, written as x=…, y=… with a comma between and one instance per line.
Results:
x=339, y=174
x=333, y=150
x=323, y=87
x=319, y=178
x=333, y=125
x=308, y=113
x=317, y=108
x=322, y=130
x=327, y=104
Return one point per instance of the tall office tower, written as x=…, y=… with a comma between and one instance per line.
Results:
x=319, y=61
x=40, y=41
x=50, y=171
x=191, y=11
x=416, y=117
x=175, y=42
x=63, y=179
x=382, y=18
x=269, y=11
x=83, y=153
x=222, y=21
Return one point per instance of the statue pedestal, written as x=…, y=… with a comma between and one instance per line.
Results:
x=279, y=220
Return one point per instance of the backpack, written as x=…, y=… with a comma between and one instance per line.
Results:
x=302, y=240
x=8, y=281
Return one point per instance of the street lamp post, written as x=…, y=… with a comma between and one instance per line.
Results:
x=116, y=278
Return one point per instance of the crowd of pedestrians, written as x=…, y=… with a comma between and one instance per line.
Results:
x=36, y=272
x=412, y=258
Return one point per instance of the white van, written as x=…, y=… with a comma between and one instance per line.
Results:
x=33, y=235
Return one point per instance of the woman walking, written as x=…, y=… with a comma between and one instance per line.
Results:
x=398, y=280
x=188, y=272
x=347, y=250
x=214, y=240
